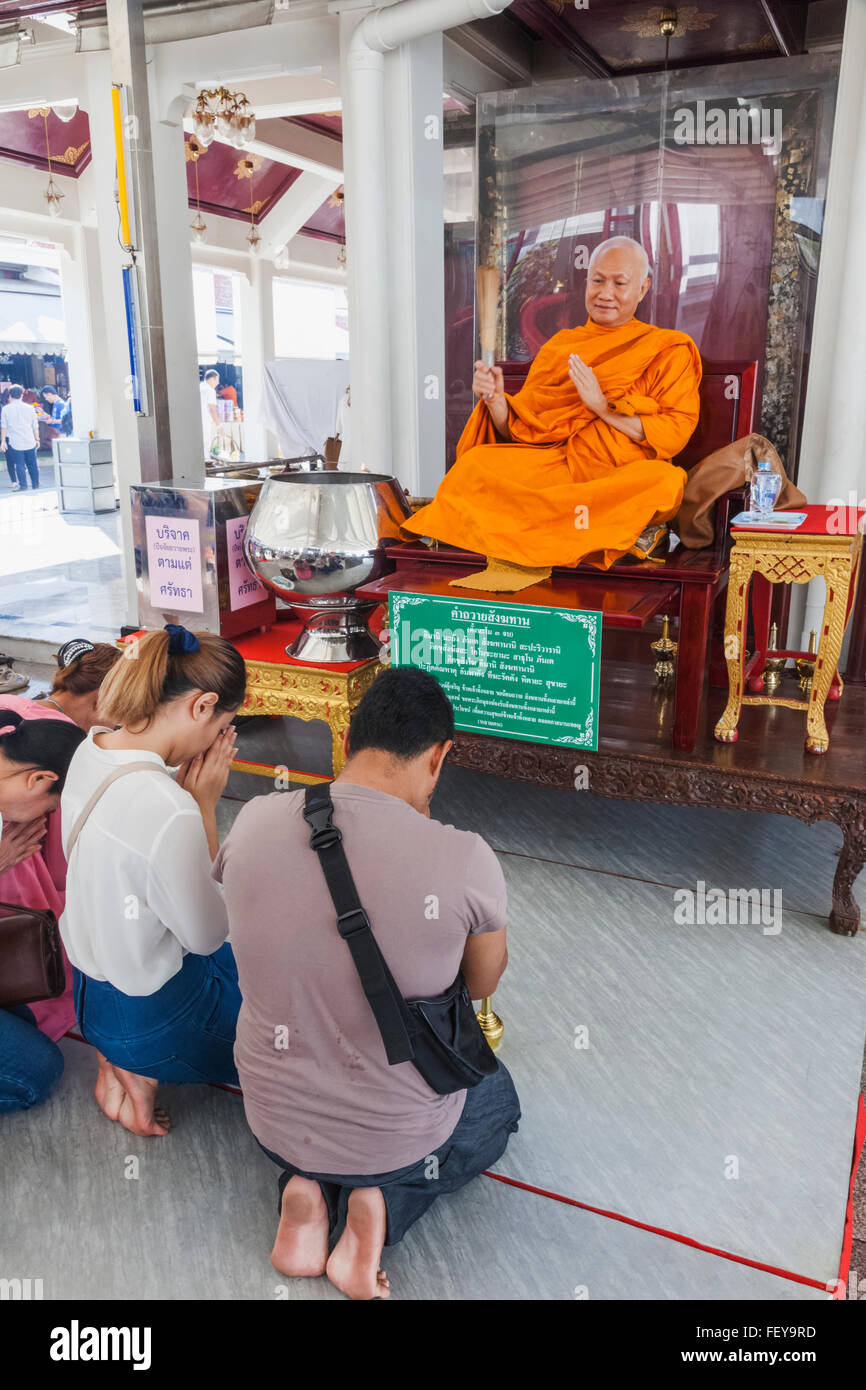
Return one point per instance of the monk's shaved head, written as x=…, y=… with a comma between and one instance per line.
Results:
x=627, y=244
x=617, y=279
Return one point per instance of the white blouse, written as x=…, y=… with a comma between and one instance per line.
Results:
x=139, y=892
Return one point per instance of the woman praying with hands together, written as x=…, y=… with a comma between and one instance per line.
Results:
x=145, y=926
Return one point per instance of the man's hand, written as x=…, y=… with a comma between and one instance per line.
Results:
x=586, y=384
x=19, y=840
x=488, y=385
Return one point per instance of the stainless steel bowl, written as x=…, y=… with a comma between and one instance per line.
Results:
x=314, y=538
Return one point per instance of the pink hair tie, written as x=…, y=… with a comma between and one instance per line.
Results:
x=7, y=729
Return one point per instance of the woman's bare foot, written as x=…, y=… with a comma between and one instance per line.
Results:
x=301, y=1246
x=139, y=1112
x=108, y=1090
x=354, y=1263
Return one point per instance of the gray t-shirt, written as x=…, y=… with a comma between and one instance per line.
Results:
x=317, y=1086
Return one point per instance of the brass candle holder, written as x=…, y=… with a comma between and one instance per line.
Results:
x=665, y=650
x=805, y=667
x=773, y=665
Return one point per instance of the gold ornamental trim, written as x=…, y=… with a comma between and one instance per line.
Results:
x=71, y=154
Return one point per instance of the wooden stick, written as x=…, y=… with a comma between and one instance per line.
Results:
x=487, y=290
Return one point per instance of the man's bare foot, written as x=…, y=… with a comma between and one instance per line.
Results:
x=108, y=1090
x=354, y=1263
x=139, y=1112
x=301, y=1246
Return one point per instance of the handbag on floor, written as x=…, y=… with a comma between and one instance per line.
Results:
x=441, y=1035
x=31, y=957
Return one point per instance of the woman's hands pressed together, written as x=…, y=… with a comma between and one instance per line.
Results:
x=19, y=840
x=205, y=776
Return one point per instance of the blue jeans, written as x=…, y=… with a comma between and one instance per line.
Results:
x=30, y=1063
x=489, y=1117
x=183, y=1032
x=23, y=461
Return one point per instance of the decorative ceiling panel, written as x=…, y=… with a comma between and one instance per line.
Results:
x=22, y=139
x=223, y=186
x=625, y=34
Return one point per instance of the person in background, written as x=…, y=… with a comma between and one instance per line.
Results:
x=156, y=989
x=53, y=404
x=36, y=748
x=82, y=667
x=357, y=1139
x=19, y=436
x=66, y=417
x=209, y=413
x=10, y=467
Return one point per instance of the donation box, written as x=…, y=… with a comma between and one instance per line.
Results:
x=189, y=557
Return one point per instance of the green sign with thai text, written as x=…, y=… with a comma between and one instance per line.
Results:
x=518, y=670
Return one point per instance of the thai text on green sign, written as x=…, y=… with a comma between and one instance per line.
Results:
x=517, y=670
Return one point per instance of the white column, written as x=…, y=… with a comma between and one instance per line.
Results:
x=75, y=288
x=173, y=217
x=367, y=219
x=833, y=448
x=416, y=256
x=113, y=383
x=257, y=329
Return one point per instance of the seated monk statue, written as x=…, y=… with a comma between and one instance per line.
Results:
x=577, y=464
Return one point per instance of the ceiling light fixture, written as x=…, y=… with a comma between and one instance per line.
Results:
x=52, y=195
x=194, y=151
x=245, y=170
x=222, y=115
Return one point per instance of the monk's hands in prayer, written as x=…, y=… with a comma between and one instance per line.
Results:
x=19, y=840
x=489, y=385
x=587, y=387
x=586, y=384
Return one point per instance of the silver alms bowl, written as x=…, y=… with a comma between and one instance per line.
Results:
x=314, y=538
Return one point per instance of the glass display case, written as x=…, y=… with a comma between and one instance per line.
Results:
x=720, y=172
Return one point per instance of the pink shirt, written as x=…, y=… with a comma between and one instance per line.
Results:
x=40, y=881
x=317, y=1086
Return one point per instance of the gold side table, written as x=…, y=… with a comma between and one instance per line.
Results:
x=277, y=686
x=828, y=544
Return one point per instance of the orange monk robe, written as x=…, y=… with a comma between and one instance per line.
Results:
x=571, y=487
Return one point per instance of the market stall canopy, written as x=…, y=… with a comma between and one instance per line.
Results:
x=31, y=323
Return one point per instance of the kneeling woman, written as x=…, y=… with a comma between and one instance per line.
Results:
x=35, y=754
x=156, y=989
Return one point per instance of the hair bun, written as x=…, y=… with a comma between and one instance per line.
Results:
x=180, y=639
x=72, y=650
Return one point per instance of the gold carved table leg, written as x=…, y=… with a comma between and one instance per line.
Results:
x=307, y=692
x=838, y=576
x=742, y=565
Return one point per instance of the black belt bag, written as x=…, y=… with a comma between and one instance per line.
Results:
x=441, y=1036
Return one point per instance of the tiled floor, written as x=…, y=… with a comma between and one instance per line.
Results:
x=715, y=1099
x=81, y=592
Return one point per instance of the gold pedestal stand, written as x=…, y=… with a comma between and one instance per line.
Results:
x=491, y=1024
x=306, y=692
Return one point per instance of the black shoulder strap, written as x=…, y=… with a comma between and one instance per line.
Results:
x=377, y=982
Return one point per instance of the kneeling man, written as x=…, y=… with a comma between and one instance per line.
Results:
x=365, y=1147
x=577, y=463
